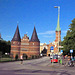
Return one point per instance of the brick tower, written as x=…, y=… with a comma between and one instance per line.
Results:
x=58, y=33
x=34, y=44
x=15, y=43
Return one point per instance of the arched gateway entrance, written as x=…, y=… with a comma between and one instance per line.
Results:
x=44, y=52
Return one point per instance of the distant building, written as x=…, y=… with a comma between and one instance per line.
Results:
x=25, y=46
x=0, y=37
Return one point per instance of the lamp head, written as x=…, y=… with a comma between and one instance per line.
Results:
x=55, y=6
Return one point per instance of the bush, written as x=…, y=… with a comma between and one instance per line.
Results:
x=33, y=56
x=16, y=57
x=6, y=56
x=25, y=56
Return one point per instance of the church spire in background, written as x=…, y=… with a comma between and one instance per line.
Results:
x=58, y=25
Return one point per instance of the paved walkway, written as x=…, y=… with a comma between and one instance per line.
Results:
x=40, y=66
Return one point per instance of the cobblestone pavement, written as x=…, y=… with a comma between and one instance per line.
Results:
x=40, y=66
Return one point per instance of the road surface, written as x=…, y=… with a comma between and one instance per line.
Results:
x=41, y=66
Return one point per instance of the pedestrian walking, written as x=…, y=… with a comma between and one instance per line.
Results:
x=21, y=59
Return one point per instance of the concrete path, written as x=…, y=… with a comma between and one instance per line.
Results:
x=40, y=66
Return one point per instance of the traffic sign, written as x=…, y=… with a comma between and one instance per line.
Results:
x=52, y=48
x=71, y=51
x=61, y=51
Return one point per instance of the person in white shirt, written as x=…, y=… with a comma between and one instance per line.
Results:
x=21, y=59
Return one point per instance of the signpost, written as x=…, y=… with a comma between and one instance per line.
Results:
x=52, y=50
x=61, y=51
x=61, y=56
x=71, y=51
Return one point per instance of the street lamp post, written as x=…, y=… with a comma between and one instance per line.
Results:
x=58, y=16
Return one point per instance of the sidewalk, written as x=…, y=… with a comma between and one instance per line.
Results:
x=61, y=66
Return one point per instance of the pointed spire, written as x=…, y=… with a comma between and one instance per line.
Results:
x=16, y=35
x=34, y=37
x=58, y=25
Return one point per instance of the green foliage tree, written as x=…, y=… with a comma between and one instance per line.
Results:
x=5, y=46
x=69, y=40
x=16, y=57
x=25, y=56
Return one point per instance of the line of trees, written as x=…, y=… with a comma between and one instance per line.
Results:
x=69, y=40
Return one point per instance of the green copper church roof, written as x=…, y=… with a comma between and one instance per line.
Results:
x=58, y=25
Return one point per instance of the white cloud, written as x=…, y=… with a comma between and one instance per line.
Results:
x=51, y=32
x=8, y=36
x=26, y=32
x=47, y=32
x=64, y=31
x=48, y=36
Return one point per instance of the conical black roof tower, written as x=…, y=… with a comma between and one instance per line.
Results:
x=17, y=35
x=34, y=37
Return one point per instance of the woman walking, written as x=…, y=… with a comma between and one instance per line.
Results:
x=21, y=59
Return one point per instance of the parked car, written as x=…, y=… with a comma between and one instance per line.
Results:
x=55, y=60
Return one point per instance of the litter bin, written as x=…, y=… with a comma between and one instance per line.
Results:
x=60, y=61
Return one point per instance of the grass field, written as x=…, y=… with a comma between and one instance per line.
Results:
x=5, y=59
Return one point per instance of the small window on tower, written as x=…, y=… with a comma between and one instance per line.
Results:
x=13, y=42
x=33, y=43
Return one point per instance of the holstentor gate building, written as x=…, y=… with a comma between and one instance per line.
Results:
x=25, y=46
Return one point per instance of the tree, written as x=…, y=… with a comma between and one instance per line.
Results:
x=69, y=40
x=5, y=46
x=16, y=57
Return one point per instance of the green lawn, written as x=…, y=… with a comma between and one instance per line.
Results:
x=5, y=59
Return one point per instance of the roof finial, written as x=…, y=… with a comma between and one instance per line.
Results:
x=17, y=22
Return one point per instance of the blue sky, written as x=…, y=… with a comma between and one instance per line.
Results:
x=40, y=13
